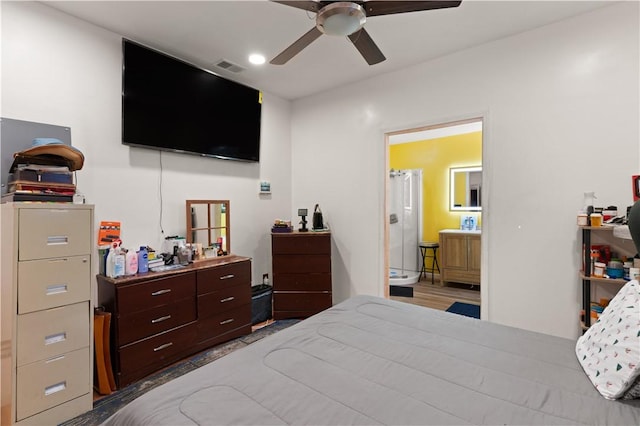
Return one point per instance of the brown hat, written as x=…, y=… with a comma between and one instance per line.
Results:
x=50, y=150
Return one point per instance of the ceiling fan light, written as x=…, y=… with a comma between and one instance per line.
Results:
x=341, y=18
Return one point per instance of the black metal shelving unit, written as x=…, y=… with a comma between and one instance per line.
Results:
x=586, y=277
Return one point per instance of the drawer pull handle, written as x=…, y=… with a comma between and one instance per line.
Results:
x=57, y=240
x=56, y=289
x=49, y=390
x=161, y=347
x=159, y=292
x=55, y=338
x=228, y=299
x=54, y=359
x=230, y=320
x=157, y=320
x=226, y=277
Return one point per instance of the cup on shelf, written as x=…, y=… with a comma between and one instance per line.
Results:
x=598, y=269
x=583, y=219
x=596, y=219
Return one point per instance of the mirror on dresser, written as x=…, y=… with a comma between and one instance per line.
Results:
x=465, y=188
x=207, y=222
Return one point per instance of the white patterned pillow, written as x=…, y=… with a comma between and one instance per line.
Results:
x=609, y=351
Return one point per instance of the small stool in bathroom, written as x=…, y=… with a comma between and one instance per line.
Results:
x=429, y=250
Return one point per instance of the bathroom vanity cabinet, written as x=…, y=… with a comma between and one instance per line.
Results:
x=459, y=256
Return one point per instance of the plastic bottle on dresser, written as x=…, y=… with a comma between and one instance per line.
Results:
x=119, y=263
x=131, y=263
x=143, y=260
x=110, y=262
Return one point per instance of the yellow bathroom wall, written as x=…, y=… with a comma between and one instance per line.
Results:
x=435, y=157
x=460, y=185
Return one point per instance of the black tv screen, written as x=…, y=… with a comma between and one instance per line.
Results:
x=168, y=104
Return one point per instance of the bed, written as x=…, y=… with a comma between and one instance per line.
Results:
x=370, y=360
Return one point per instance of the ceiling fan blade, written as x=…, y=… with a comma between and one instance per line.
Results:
x=377, y=8
x=310, y=5
x=367, y=48
x=296, y=47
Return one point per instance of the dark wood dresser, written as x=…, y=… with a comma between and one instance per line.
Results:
x=301, y=273
x=162, y=317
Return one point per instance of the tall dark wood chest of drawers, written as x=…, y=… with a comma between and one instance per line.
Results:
x=160, y=318
x=301, y=273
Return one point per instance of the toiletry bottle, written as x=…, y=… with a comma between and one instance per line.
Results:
x=143, y=260
x=110, y=262
x=119, y=262
x=131, y=260
x=103, y=260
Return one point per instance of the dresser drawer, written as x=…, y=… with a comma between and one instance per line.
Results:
x=293, y=301
x=156, y=320
x=302, y=282
x=224, y=276
x=48, y=283
x=52, y=332
x=224, y=322
x=154, y=293
x=223, y=300
x=148, y=355
x=45, y=384
x=301, y=264
x=45, y=233
x=301, y=244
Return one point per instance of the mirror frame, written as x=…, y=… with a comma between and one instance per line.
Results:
x=452, y=172
x=209, y=226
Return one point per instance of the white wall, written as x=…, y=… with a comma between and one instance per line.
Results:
x=561, y=117
x=561, y=109
x=60, y=70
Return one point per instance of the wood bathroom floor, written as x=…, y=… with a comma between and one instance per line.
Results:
x=436, y=297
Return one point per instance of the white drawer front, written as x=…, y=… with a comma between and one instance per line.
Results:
x=48, y=233
x=46, y=334
x=48, y=283
x=48, y=383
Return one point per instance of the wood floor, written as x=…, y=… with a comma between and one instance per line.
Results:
x=436, y=297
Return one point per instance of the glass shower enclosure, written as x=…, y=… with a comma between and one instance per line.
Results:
x=405, y=226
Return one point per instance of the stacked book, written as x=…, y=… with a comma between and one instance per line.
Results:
x=281, y=226
x=153, y=263
x=40, y=182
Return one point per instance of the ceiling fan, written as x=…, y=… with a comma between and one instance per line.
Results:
x=347, y=18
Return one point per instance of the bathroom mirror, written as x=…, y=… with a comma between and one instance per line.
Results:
x=208, y=221
x=465, y=188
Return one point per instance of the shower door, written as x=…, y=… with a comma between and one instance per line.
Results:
x=405, y=223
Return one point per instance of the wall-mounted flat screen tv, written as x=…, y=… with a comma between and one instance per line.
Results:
x=168, y=104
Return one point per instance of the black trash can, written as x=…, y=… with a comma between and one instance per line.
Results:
x=261, y=303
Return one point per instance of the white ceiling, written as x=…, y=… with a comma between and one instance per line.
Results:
x=203, y=32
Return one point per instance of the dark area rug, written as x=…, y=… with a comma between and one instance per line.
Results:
x=400, y=290
x=465, y=309
x=106, y=406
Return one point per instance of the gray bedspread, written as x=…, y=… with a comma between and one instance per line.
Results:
x=374, y=361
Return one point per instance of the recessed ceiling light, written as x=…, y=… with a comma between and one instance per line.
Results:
x=256, y=59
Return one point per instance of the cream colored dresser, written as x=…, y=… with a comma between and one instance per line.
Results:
x=47, y=320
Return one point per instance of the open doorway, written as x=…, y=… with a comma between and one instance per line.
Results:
x=443, y=249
